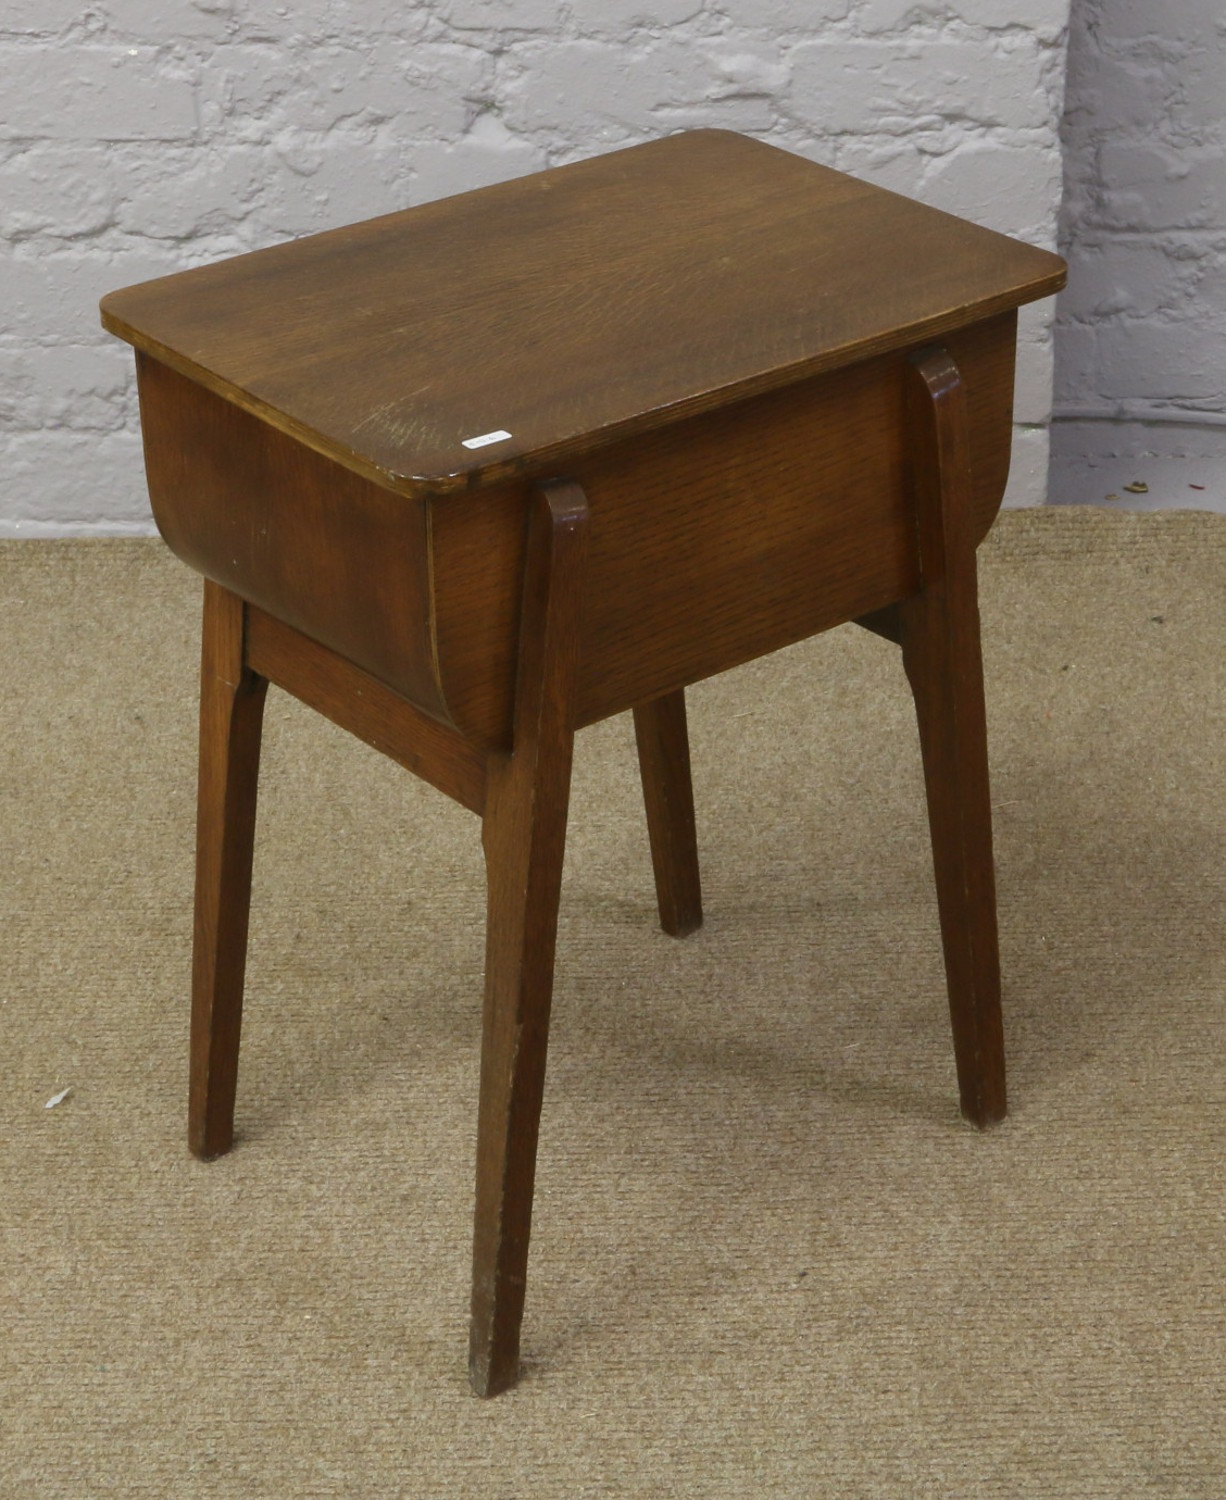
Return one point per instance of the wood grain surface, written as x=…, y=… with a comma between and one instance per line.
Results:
x=319, y=547
x=939, y=628
x=524, y=834
x=574, y=307
x=360, y=703
x=662, y=734
x=231, y=721
x=714, y=418
x=717, y=539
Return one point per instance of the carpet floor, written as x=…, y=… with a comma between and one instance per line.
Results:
x=768, y=1258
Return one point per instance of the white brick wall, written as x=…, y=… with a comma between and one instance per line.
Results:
x=1141, y=334
x=138, y=138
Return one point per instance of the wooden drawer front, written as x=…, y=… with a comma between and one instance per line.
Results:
x=718, y=539
x=314, y=544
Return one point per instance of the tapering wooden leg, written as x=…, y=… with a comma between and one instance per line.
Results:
x=664, y=762
x=524, y=833
x=231, y=714
x=939, y=627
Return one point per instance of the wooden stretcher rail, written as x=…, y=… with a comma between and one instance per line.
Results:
x=361, y=704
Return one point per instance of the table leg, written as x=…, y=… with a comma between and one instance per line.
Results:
x=231, y=716
x=939, y=627
x=524, y=833
x=668, y=792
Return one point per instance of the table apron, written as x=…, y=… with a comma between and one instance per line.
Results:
x=714, y=540
x=717, y=539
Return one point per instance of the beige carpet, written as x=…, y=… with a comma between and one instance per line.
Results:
x=769, y=1259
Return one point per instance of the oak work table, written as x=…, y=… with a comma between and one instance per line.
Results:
x=471, y=476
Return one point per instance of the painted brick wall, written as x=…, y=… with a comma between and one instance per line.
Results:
x=1141, y=336
x=137, y=138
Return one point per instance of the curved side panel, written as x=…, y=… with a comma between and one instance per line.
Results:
x=313, y=544
x=986, y=356
x=479, y=545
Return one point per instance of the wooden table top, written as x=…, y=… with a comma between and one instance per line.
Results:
x=574, y=307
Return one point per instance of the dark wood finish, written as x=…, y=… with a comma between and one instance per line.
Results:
x=231, y=716
x=524, y=832
x=307, y=540
x=359, y=703
x=420, y=588
x=716, y=342
x=707, y=536
x=573, y=308
x=941, y=653
x=668, y=793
